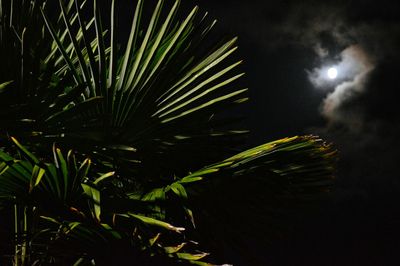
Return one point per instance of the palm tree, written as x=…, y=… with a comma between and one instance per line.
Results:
x=136, y=117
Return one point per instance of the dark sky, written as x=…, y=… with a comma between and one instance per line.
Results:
x=286, y=46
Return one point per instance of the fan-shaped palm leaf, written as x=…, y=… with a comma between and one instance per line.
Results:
x=150, y=87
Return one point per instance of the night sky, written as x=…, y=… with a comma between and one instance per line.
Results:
x=288, y=47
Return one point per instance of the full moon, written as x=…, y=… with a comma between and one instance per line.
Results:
x=332, y=73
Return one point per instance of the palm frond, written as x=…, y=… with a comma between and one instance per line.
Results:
x=249, y=200
x=79, y=214
x=156, y=81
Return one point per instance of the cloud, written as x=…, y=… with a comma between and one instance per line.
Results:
x=361, y=105
x=360, y=38
x=365, y=52
x=354, y=67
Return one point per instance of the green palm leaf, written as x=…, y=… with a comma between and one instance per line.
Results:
x=259, y=194
x=79, y=212
x=143, y=103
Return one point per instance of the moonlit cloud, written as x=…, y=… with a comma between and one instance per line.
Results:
x=353, y=69
x=353, y=62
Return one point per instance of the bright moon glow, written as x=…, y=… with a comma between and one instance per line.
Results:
x=332, y=73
